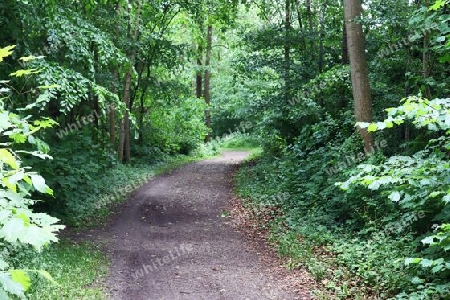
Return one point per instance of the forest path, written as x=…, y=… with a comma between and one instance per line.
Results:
x=170, y=241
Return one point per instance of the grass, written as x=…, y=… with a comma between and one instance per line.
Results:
x=241, y=142
x=77, y=268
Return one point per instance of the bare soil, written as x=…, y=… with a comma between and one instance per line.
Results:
x=173, y=239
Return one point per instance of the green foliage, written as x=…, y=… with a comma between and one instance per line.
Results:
x=179, y=130
x=418, y=183
x=240, y=142
x=77, y=269
x=395, y=206
x=20, y=226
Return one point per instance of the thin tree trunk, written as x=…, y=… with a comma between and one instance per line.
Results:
x=124, y=137
x=207, y=94
x=198, y=77
x=426, y=62
x=359, y=69
x=322, y=36
x=112, y=128
x=300, y=25
x=112, y=119
x=287, y=52
x=310, y=20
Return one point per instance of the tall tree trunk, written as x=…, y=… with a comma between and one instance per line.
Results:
x=124, y=124
x=426, y=58
x=311, y=30
x=198, y=77
x=287, y=52
x=112, y=118
x=96, y=104
x=207, y=93
x=359, y=69
x=124, y=134
x=322, y=36
x=112, y=128
x=300, y=25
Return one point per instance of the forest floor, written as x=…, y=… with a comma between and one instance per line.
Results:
x=175, y=238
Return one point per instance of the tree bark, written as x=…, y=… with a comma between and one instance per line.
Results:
x=287, y=52
x=322, y=36
x=112, y=118
x=207, y=93
x=124, y=135
x=426, y=59
x=345, y=60
x=311, y=30
x=359, y=68
x=198, y=77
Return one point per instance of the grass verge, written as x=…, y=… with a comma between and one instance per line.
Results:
x=347, y=263
x=77, y=268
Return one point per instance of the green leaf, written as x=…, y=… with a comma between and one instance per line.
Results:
x=12, y=230
x=11, y=186
x=410, y=260
x=21, y=277
x=437, y=268
x=47, y=276
x=428, y=240
x=437, y=5
x=8, y=158
x=5, y=52
x=20, y=73
x=426, y=263
x=446, y=198
x=417, y=280
x=4, y=121
x=30, y=58
x=372, y=127
x=10, y=285
x=395, y=196
x=39, y=184
x=374, y=186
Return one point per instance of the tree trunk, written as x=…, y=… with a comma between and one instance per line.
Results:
x=287, y=52
x=112, y=118
x=198, y=78
x=112, y=128
x=300, y=25
x=124, y=124
x=207, y=94
x=426, y=59
x=311, y=30
x=322, y=36
x=124, y=135
x=345, y=60
x=359, y=69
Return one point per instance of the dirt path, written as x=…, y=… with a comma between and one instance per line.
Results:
x=170, y=241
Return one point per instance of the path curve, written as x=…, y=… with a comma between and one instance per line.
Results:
x=170, y=241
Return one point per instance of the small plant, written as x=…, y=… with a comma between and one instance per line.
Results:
x=19, y=224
